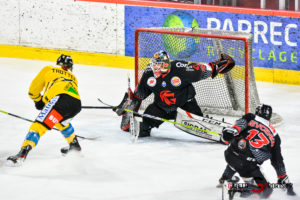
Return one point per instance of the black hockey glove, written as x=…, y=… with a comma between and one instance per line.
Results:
x=288, y=185
x=134, y=106
x=121, y=107
x=39, y=104
x=229, y=133
x=223, y=65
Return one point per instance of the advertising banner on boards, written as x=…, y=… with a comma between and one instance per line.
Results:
x=275, y=38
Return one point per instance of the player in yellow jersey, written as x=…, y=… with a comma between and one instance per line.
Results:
x=58, y=103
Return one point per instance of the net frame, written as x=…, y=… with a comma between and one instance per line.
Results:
x=251, y=94
x=192, y=34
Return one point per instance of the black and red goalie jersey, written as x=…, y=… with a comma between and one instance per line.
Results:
x=171, y=84
x=173, y=89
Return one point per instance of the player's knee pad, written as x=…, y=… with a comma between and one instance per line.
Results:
x=144, y=133
x=145, y=129
x=68, y=132
x=151, y=123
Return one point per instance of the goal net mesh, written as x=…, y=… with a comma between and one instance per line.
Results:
x=225, y=94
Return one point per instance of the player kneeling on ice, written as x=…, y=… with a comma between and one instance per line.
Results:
x=59, y=103
x=171, y=84
x=253, y=140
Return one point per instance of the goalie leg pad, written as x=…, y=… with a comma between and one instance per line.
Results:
x=134, y=105
x=125, y=123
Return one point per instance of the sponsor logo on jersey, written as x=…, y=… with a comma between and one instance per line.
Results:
x=180, y=64
x=167, y=97
x=164, y=84
x=196, y=67
x=201, y=66
x=176, y=81
x=53, y=118
x=151, y=81
x=44, y=113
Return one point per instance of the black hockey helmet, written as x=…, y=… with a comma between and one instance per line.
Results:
x=161, y=57
x=65, y=62
x=264, y=111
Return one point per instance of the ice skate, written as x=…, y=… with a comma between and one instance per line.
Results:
x=19, y=158
x=73, y=146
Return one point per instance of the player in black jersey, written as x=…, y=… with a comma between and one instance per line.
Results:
x=171, y=84
x=253, y=140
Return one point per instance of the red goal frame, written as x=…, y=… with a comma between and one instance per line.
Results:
x=244, y=39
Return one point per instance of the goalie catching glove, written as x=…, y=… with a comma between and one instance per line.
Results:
x=222, y=66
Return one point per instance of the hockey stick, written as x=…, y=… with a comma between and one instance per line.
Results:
x=17, y=116
x=134, y=128
x=29, y=120
x=166, y=120
x=96, y=107
x=106, y=104
x=114, y=107
x=169, y=121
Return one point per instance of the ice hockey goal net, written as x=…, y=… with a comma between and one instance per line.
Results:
x=233, y=93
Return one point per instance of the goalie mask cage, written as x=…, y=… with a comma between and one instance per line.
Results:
x=230, y=94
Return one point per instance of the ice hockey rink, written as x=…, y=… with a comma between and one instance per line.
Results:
x=170, y=165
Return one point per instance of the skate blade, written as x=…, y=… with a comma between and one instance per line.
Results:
x=10, y=163
x=220, y=185
x=72, y=153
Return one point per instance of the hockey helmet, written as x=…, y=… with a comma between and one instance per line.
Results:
x=65, y=62
x=160, y=62
x=264, y=111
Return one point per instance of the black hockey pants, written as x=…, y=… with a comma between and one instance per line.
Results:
x=190, y=106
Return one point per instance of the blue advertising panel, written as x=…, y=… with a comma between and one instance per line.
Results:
x=275, y=38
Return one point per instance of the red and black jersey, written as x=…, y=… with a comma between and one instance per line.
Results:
x=174, y=89
x=257, y=139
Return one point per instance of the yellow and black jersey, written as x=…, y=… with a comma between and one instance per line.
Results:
x=54, y=81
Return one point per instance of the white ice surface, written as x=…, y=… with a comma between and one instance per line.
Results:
x=171, y=165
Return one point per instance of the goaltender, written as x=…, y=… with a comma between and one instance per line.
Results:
x=171, y=84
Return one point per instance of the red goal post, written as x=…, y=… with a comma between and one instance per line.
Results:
x=194, y=41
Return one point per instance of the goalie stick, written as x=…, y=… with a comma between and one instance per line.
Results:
x=96, y=107
x=180, y=124
x=29, y=120
x=201, y=132
x=134, y=124
x=114, y=107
